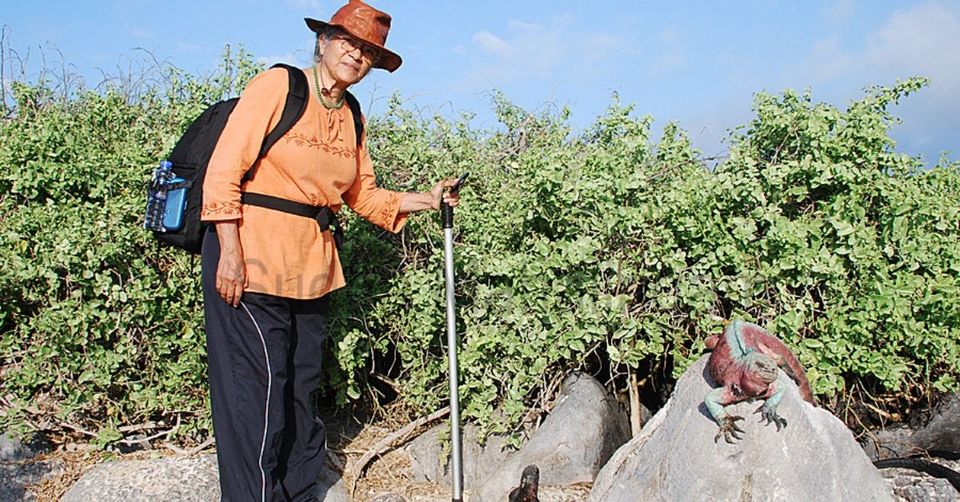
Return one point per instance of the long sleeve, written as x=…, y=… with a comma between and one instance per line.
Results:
x=256, y=113
x=377, y=205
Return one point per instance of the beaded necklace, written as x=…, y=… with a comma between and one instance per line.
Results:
x=322, y=90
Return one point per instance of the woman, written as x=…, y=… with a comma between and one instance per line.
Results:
x=267, y=273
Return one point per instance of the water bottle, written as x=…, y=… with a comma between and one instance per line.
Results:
x=157, y=197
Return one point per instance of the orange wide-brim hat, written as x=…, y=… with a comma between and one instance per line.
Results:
x=365, y=23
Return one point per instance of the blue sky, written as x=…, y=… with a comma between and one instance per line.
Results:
x=698, y=63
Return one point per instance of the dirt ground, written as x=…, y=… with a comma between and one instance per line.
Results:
x=349, y=439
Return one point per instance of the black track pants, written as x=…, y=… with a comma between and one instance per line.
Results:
x=264, y=365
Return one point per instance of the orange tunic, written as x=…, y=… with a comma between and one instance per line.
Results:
x=316, y=163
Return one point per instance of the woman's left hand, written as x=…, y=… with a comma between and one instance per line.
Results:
x=440, y=191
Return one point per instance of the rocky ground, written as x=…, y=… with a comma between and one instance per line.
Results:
x=46, y=472
x=49, y=476
x=571, y=446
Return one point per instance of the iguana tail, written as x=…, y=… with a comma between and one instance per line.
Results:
x=791, y=366
x=712, y=342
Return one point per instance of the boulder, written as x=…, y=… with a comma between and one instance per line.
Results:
x=14, y=448
x=331, y=486
x=675, y=457
x=893, y=442
x=430, y=462
x=181, y=479
x=571, y=446
x=20, y=466
x=913, y=486
x=16, y=478
x=177, y=478
x=942, y=432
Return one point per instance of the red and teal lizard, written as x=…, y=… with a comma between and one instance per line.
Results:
x=745, y=362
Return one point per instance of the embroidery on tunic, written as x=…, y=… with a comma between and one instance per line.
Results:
x=388, y=212
x=221, y=208
x=300, y=139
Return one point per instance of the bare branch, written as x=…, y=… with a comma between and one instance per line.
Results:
x=400, y=436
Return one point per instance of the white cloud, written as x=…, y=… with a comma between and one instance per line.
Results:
x=827, y=59
x=296, y=58
x=142, y=33
x=557, y=49
x=524, y=27
x=924, y=40
x=840, y=11
x=672, y=54
x=308, y=5
x=490, y=43
x=921, y=40
x=185, y=46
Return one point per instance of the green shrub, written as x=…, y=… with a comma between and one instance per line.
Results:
x=601, y=250
x=101, y=327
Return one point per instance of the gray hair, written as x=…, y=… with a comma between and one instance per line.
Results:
x=326, y=32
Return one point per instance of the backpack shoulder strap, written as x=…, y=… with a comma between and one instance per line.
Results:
x=293, y=107
x=355, y=111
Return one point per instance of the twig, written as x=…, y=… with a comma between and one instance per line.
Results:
x=149, y=438
x=200, y=447
x=81, y=430
x=149, y=426
x=76, y=428
x=636, y=421
x=158, y=435
x=386, y=443
x=386, y=380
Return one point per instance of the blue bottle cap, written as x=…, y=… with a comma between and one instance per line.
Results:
x=166, y=164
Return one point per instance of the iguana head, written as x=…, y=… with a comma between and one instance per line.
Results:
x=762, y=365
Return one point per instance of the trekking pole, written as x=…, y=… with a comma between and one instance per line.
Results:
x=447, y=215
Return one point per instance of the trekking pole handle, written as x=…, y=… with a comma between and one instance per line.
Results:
x=446, y=211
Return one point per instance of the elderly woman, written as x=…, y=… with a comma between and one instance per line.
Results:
x=267, y=273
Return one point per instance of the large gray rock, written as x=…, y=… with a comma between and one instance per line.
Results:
x=178, y=478
x=430, y=462
x=942, y=432
x=16, y=478
x=20, y=468
x=331, y=487
x=167, y=479
x=675, y=457
x=14, y=448
x=574, y=442
x=181, y=479
x=913, y=486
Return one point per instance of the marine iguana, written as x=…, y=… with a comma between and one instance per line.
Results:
x=529, y=485
x=745, y=362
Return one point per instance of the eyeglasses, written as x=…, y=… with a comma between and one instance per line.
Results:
x=350, y=44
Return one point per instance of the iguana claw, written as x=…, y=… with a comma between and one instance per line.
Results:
x=769, y=416
x=729, y=429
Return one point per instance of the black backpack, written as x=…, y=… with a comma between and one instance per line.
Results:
x=193, y=150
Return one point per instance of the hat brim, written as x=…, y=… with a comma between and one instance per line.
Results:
x=389, y=60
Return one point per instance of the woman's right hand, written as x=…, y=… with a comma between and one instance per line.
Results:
x=231, y=271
